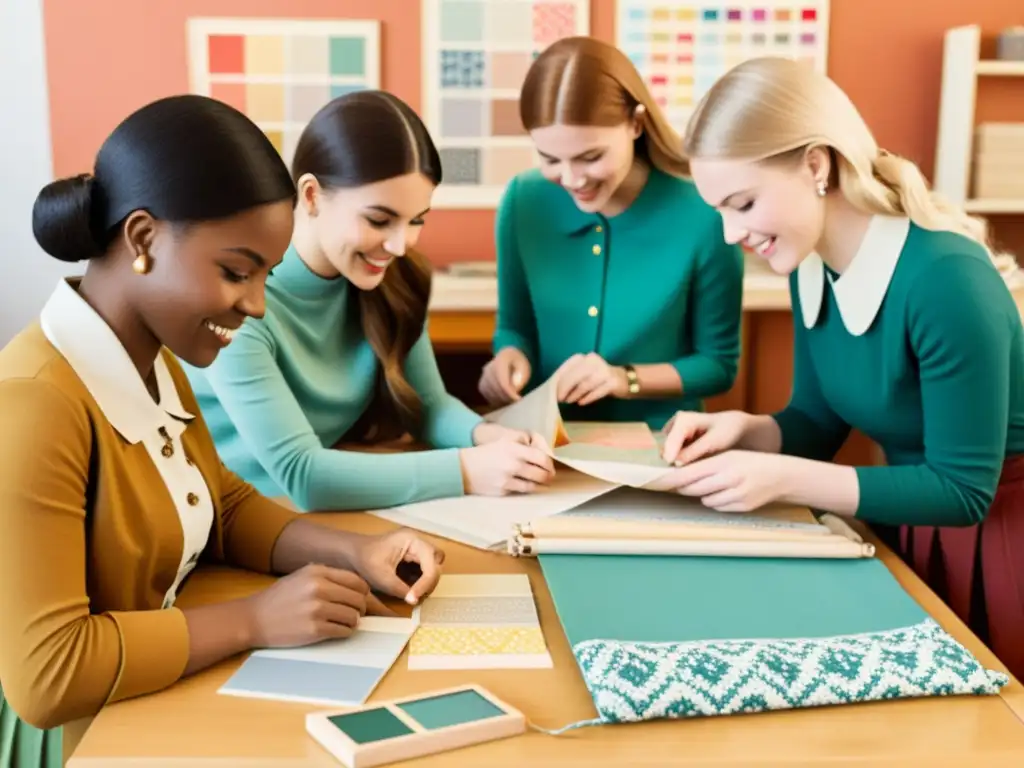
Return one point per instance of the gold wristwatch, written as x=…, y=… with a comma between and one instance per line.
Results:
x=632, y=381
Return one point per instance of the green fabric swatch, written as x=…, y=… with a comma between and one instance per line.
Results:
x=450, y=709
x=665, y=599
x=23, y=745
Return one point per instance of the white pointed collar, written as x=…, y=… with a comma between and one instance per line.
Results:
x=97, y=357
x=861, y=288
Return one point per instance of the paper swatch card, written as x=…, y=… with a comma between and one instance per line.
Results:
x=479, y=622
x=334, y=672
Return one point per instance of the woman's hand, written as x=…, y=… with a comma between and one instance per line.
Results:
x=506, y=466
x=316, y=602
x=380, y=560
x=691, y=435
x=585, y=379
x=486, y=432
x=733, y=481
x=504, y=377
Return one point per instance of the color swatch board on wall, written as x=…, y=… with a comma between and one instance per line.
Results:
x=475, y=57
x=682, y=48
x=279, y=72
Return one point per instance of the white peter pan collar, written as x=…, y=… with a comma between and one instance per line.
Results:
x=102, y=363
x=859, y=290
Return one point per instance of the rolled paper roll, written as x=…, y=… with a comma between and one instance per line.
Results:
x=559, y=526
x=832, y=547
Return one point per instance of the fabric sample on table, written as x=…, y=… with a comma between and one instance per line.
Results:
x=630, y=681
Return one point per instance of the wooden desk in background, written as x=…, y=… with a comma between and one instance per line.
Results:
x=190, y=726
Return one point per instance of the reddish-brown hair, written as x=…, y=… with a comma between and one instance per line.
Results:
x=584, y=81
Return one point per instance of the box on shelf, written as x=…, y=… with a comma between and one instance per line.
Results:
x=999, y=161
x=1010, y=44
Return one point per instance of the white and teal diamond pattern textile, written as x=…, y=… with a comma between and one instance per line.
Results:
x=633, y=681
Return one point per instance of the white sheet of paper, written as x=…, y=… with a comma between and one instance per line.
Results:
x=487, y=522
x=536, y=412
x=634, y=505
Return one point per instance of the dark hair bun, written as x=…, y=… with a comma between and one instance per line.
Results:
x=62, y=219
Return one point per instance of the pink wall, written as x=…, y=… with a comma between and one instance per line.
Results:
x=106, y=58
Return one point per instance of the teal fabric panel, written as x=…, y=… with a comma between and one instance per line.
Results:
x=665, y=599
x=23, y=746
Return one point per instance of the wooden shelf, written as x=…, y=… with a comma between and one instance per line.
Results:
x=962, y=65
x=994, y=205
x=994, y=68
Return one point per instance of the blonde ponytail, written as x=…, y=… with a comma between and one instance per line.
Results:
x=907, y=193
x=585, y=81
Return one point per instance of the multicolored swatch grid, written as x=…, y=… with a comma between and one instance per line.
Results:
x=476, y=54
x=682, y=48
x=280, y=72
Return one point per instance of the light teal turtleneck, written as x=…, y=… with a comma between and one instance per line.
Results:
x=289, y=386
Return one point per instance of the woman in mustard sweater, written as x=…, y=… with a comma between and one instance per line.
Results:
x=612, y=271
x=904, y=329
x=111, y=489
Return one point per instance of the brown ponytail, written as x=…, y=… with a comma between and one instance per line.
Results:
x=393, y=317
x=584, y=81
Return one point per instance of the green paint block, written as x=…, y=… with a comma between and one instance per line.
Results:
x=680, y=599
x=370, y=725
x=450, y=709
x=347, y=55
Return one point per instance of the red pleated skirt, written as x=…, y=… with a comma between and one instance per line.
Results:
x=979, y=571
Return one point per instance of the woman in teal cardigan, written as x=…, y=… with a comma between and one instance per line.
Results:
x=612, y=271
x=903, y=330
x=342, y=353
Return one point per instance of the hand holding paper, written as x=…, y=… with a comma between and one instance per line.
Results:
x=691, y=435
x=504, y=377
x=585, y=379
x=733, y=481
x=507, y=466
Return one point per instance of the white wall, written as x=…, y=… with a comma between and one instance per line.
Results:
x=27, y=274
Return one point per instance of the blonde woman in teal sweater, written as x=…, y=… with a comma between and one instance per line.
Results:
x=612, y=272
x=342, y=353
x=903, y=329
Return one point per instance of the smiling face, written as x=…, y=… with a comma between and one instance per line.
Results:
x=773, y=208
x=360, y=231
x=590, y=162
x=207, y=278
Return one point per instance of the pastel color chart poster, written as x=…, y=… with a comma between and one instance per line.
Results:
x=682, y=48
x=279, y=72
x=475, y=57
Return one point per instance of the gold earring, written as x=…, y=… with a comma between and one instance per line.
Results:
x=141, y=264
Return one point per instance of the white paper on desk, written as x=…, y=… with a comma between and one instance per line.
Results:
x=639, y=506
x=487, y=522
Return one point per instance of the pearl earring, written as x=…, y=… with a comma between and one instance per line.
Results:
x=822, y=188
x=141, y=264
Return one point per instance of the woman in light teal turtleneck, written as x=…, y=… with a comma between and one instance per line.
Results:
x=342, y=352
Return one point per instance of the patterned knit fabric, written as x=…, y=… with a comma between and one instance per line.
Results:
x=632, y=681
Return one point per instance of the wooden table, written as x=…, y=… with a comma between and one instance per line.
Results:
x=190, y=725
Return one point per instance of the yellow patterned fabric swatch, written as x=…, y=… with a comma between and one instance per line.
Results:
x=473, y=641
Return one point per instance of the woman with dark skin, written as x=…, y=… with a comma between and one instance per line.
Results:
x=111, y=490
